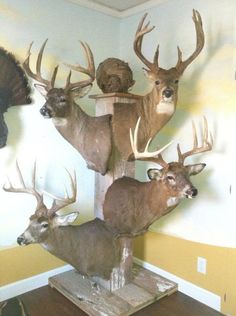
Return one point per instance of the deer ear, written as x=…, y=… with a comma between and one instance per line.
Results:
x=80, y=92
x=154, y=174
x=195, y=169
x=41, y=89
x=65, y=220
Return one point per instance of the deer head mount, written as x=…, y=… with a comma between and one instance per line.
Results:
x=91, y=136
x=157, y=107
x=131, y=206
x=14, y=89
x=86, y=247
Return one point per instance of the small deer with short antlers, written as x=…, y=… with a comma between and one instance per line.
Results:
x=91, y=136
x=157, y=107
x=131, y=206
x=86, y=247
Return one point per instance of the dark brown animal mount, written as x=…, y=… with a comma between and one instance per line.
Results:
x=14, y=89
x=114, y=75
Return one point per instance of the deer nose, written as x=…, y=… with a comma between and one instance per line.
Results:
x=191, y=193
x=167, y=92
x=20, y=240
x=45, y=112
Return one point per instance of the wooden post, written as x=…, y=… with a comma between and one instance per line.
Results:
x=118, y=168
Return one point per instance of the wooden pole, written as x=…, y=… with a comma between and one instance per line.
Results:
x=118, y=168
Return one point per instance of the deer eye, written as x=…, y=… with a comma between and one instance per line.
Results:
x=157, y=82
x=44, y=225
x=176, y=81
x=170, y=178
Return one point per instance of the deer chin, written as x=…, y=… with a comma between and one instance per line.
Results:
x=165, y=106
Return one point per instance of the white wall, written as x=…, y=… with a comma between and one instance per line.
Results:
x=30, y=135
x=207, y=88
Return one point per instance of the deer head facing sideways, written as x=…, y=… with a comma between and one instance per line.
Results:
x=131, y=206
x=86, y=247
x=158, y=106
x=91, y=136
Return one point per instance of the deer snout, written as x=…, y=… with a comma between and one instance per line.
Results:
x=167, y=93
x=45, y=112
x=191, y=193
x=21, y=240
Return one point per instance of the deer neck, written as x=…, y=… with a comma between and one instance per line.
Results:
x=74, y=116
x=163, y=201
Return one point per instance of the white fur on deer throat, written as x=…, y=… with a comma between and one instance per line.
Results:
x=172, y=201
x=59, y=121
x=165, y=106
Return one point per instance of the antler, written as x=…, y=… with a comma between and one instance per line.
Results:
x=141, y=31
x=90, y=70
x=59, y=203
x=24, y=189
x=207, y=143
x=37, y=76
x=154, y=156
x=182, y=65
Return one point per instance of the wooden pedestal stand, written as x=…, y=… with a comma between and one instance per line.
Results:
x=129, y=288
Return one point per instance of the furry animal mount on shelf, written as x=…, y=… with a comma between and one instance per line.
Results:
x=14, y=89
x=157, y=107
x=131, y=206
x=91, y=248
x=91, y=136
x=114, y=75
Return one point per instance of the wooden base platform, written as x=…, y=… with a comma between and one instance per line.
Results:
x=146, y=288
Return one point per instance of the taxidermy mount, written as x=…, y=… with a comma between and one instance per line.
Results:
x=158, y=106
x=14, y=89
x=114, y=75
x=131, y=206
x=91, y=248
x=91, y=136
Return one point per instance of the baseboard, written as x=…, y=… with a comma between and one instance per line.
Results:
x=188, y=288
x=29, y=284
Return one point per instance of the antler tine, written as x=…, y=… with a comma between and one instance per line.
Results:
x=182, y=65
x=90, y=70
x=24, y=189
x=59, y=203
x=141, y=31
x=146, y=155
x=207, y=143
x=38, y=75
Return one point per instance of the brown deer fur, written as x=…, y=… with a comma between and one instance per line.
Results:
x=91, y=136
x=131, y=206
x=158, y=106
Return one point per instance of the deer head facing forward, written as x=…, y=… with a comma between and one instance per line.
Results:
x=166, y=80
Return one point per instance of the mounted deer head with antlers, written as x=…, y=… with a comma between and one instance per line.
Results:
x=131, y=206
x=157, y=107
x=86, y=247
x=91, y=136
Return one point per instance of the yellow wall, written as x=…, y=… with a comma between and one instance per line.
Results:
x=19, y=263
x=179, y=257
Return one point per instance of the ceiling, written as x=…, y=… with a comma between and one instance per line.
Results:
x=118, y=8
x=119, y=5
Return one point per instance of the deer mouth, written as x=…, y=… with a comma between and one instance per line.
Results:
x=45, y=112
